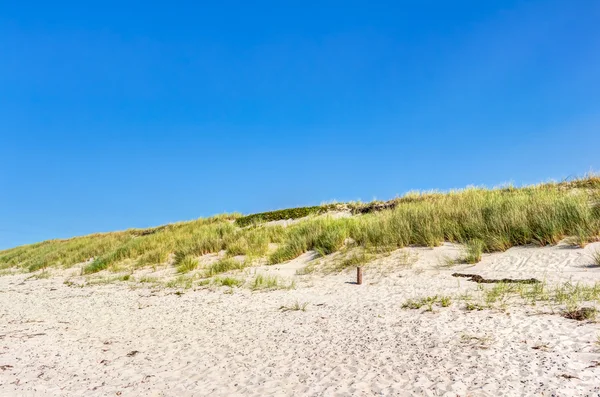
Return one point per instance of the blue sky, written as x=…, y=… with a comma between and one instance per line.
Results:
x=122, y=114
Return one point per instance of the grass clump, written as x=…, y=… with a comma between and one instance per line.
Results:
x=574, y=300
x=266, y=282
x=297, y=306
x=228, y=282
x=473, y=250
x=223, y=266
x=186, y=264
x=324, y=235
x=148, y=280
x=470, y=306
x=443, y=301
x=354, y=259
x=184, y=282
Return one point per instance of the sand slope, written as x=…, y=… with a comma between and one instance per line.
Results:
x=352, y=340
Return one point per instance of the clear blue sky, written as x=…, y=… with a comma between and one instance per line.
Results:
x=122, y=114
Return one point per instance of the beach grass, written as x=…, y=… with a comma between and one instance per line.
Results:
x=484, y=220
x=186, y=264
x=228, y=282
x=223, y=266
x=266, y=282
x=296, y=306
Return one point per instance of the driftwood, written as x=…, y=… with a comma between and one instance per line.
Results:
x=478, y=279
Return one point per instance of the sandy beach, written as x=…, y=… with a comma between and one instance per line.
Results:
x=58, y=339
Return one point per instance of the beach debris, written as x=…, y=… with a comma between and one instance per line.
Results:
x=567, y=376
x=594, y=365
x=479, y=279
x=580, y=314
x=543, y=347
x=132, y=353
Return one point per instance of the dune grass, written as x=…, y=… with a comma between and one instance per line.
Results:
x=473, y=251
x=485, y=220
x=295, y=307
x=228, y=282
x=185, y=263
x=573, y=300
x=266, y=282
x=443, y=301
x=223, y=266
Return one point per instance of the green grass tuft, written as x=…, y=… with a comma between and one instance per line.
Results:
x=223, y=266
x=228, y=282
x=473, y=251
x=297, y=306
x=265, y=282
x=186, y=264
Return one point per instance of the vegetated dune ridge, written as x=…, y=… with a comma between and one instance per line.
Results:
x=485, y=220
x=266, y=304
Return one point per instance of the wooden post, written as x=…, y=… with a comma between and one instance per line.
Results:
x=359, y=275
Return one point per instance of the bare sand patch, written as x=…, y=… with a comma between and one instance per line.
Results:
x=111, y=339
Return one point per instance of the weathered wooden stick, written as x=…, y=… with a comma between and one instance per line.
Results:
x=359, y=275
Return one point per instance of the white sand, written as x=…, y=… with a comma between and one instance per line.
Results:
x=57, y=340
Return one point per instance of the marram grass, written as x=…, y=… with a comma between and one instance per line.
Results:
x=485, y=220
